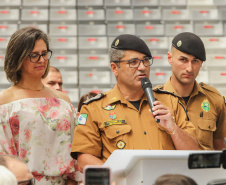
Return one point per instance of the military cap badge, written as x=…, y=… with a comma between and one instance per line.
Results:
x=117, y=42
x=179, y=43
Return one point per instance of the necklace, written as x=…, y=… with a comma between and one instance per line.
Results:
x=43, y=87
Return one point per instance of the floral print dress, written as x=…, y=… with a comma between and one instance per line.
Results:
x=40, y=131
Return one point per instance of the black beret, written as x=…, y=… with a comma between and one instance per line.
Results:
x=191, y=44
x=131, y=42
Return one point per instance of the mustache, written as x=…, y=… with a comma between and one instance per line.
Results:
x=141, y=72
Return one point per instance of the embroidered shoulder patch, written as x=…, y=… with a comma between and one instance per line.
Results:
x=82, y=119
x=205, y=105
x=95, y=98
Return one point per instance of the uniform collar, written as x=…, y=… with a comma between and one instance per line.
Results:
x=169, y=87
x=196, y=90
x=116, y=95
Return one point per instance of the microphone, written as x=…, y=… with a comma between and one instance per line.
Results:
x=147, y=87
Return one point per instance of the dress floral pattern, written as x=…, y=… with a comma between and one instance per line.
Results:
x=40, y=131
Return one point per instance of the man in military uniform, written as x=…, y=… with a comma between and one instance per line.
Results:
x=121, y=118
x=204, y=105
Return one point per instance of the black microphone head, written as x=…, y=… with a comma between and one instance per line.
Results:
x=145, y=82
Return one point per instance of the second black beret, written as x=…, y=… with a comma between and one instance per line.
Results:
x=191, y=44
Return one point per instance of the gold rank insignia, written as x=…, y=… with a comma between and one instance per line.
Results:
x=205, y=105
x=114, y=98
x=121, y=144
x=109, y=107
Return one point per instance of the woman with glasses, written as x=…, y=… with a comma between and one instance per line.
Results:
x=36, y=122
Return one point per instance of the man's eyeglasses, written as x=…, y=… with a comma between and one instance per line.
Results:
x=34, y=57
x=134, y=63
x=27, y=182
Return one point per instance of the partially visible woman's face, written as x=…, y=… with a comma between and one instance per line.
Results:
x=35, y=70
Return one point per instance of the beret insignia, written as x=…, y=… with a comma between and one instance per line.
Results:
x=117, y=42
x=179, y=43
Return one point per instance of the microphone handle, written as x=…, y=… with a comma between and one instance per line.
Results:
x=151, y=100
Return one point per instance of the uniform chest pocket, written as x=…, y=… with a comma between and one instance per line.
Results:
x=117, y=130
x=205, y=131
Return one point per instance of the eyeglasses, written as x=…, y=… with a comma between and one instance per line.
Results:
x=134, y=63
x=34, y=57
x=27, y=182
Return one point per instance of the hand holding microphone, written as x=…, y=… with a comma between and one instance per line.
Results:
x=147, y=87
x=167, y=119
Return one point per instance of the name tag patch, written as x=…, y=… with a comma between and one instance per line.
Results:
x=114, y=122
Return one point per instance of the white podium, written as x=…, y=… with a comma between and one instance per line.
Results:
x=142, y=167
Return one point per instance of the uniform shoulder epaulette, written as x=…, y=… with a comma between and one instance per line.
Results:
x=209, y=88
x=158, y=89
x=95, y=98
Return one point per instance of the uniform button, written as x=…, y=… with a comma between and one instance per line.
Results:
x=209, y=126
x=145, y=133
x=117, y=131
